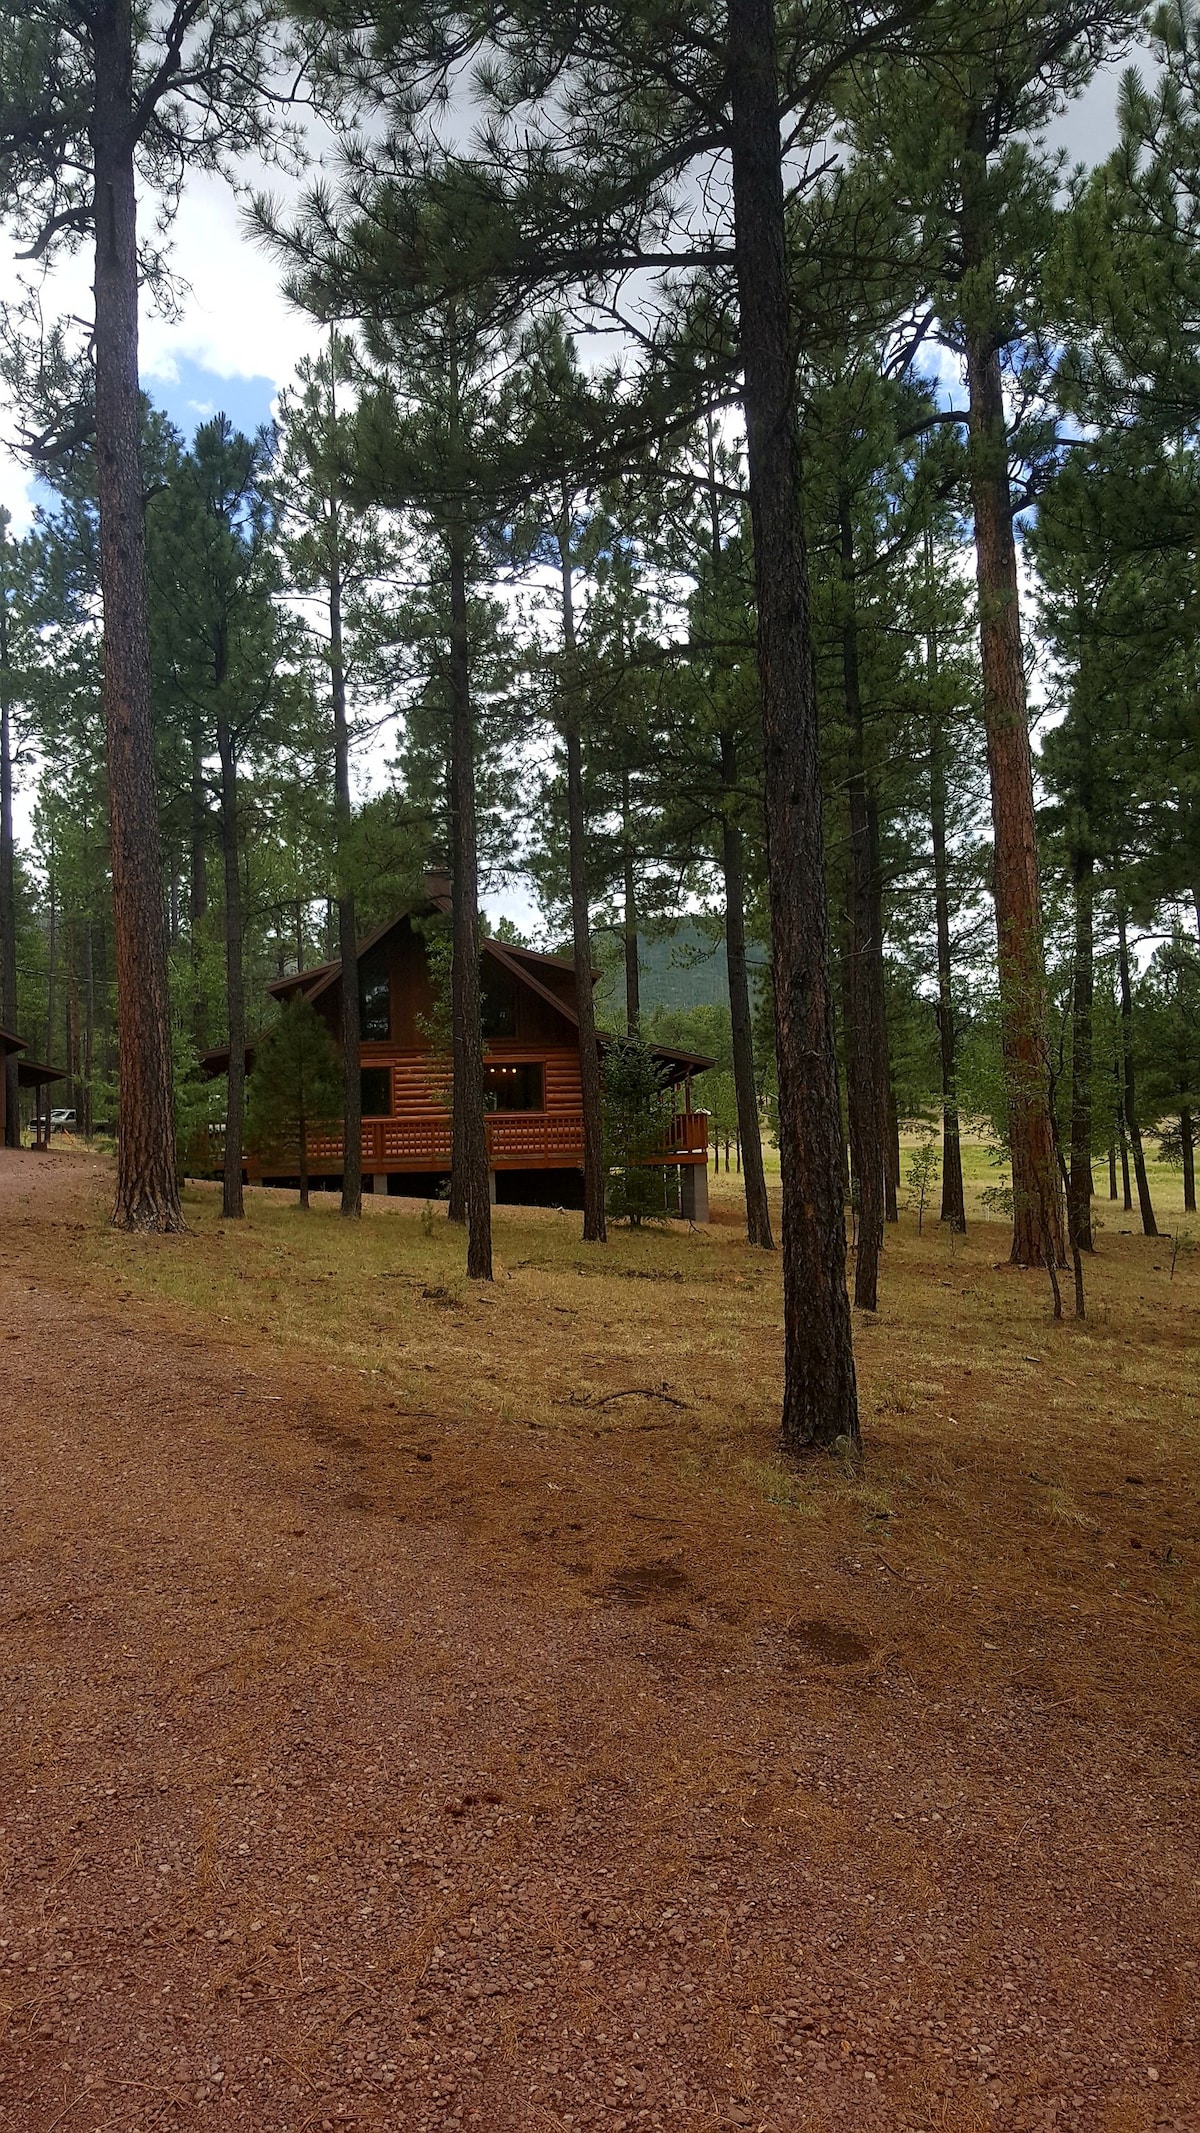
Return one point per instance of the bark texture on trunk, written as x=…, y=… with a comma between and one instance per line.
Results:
x=51, y=953
x=954, y=1208
x=629, y=919
x=758, y=1212
x=197, y=883
x=347, y=930
x=232, y=1202
x=89, y=1028
x=820, y=1402
x=594, y=1224
x=469, y=1128
x=1037, y=1208
x=866, y=1051
x=891, y=1176
x=147, y=1195
x=1122, y=1141
x=8, y=880
x=1079, y=1183
x=1133, y=1129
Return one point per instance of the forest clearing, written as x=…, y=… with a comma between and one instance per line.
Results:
x=585, y=592
x=436, y=1704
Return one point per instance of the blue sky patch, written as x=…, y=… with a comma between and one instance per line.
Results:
x=196, y=394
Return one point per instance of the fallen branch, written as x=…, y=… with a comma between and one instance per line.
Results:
x=643, y=1392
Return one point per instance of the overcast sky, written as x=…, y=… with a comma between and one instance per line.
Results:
x=237, y=342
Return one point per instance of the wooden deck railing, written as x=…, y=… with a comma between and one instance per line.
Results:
x=517, y=1140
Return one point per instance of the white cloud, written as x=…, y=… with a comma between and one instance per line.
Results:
x=235, y=320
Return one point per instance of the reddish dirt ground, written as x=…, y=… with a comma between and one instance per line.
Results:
x=320, y=1808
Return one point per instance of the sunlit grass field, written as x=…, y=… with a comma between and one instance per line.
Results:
x=666, y=1344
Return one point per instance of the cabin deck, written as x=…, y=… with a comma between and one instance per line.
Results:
x=523, y=1140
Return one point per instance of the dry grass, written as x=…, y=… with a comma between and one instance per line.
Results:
x=1012, y=1467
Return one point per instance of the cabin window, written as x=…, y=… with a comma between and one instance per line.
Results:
x=374, y=1001
x=513, y=1085
x=498, y=1008
x=376, y=1092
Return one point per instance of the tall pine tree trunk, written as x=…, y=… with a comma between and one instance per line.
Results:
x=89, y=1026
x=1079, y=1186
x=74, y=1048
x=594, y=1226
x=346, y=924
x=1122, y=1142
x=866, y=1054
x=1187, y=1143
x=820, y=1401
x=147, y=1195
x=758, y=1212
x=8, y=878
x=469, y=1127
x=51, y=951
x=1133, y=1130
x=197, y=886
x=891, y=1175
x=232, y=1203
x=629, y=918
x=954, y=1208
x=1037, y=1209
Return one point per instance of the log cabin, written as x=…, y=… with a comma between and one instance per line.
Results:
x=531, y=1074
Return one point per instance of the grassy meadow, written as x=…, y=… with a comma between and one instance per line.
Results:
x=1003, y=1452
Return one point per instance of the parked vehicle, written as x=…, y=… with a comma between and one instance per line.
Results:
x=62, y=1122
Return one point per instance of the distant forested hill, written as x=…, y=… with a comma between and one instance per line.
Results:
x=683, y=968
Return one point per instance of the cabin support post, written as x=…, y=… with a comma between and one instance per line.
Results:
x=693, y=1192
x=492, y=1187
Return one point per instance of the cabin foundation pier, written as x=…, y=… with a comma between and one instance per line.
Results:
x=693, y=1192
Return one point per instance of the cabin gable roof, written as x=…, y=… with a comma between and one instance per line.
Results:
x=528, y=966
x=516, y=961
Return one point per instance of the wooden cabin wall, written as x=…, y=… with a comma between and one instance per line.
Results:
x=419, y=1082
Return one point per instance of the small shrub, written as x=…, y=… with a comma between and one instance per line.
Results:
x=924, y=1170
x=633, y=1132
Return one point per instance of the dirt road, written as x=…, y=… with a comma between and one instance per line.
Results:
x=316, y=1811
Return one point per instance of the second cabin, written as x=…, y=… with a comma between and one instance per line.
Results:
x=532, y=1093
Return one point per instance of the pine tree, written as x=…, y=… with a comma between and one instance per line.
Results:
x=633, y=1131
x=427, y=440
x=221, y=650
x=9, y=699
x=556, y=396
x=336, y=552
x=295, y=1089
x=951, y=138
x=91, y=97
